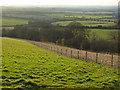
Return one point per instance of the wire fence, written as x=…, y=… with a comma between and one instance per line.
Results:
x=101, y=58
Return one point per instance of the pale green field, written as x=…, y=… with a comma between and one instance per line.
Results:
x=12, y=21
x=103, y=33
x=90, y=16
x=86, y=23
x=8, y=28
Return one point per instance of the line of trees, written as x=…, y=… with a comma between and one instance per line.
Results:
x=73, y=35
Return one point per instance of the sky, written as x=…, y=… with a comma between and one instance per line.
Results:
x=58, y=2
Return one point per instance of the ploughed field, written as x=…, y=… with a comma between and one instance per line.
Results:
x=27, y=66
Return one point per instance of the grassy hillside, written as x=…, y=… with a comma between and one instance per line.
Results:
x=28, y=66
x=12, y=21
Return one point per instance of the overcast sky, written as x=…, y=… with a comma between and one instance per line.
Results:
x=58, y=2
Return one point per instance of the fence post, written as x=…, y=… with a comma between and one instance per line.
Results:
x=57, y=50
x=78, y=54
x=66, y=52
x=51, y=48
x=118, y=61
x=45, y=46
x=96, y=57
x=86, y=55
x=41, y=45
x=54, y=49
x=61, y=51
x=71, y=53
x=112, y=61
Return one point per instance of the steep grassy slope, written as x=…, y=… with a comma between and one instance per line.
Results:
x=28, y=66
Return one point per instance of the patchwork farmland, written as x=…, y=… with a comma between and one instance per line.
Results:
x=60, y=48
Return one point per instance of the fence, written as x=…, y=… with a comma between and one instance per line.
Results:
x=101, y=58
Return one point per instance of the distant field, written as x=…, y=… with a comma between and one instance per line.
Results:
x=8, y=28
x=12, y=21
x=90, y=16
x=100, y=33
x=86, y=15
x=86, y=23
x=103, y=33
x=27, y=66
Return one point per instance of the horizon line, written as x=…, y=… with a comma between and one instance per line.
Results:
x=53, y=5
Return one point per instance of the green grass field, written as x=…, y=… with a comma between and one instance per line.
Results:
x=7, y=28
x=100, y=33
x=27, y=66
x=103, y=33
x=12, y=21
x=86, y=23
x=90, y=16
x=86, y=15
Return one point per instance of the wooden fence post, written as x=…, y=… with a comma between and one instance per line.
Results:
x=86, y=55
x=118, y=61
x=51, y=48
x=61, y=51
x=44, y=46
x=48, y=47
x=41, y=45
x=96, y=57
x=71, y=53
x=54, y=49
x=112, y=61
x=66, y=52
x=57, y=50
x=78, y=54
